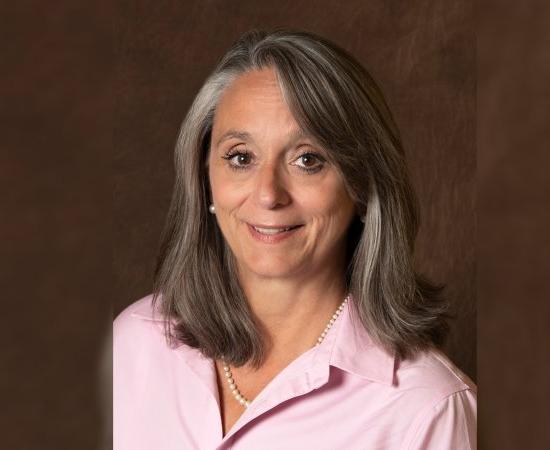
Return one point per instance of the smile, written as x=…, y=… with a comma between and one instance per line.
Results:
x=272, y=234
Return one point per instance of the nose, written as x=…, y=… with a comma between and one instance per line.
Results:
x=270, y=191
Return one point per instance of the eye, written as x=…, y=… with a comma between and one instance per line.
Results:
x=238, y=159
x=310, y=162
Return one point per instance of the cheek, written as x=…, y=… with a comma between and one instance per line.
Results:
x=223, y=189
x=228, y=195
x=331, y=204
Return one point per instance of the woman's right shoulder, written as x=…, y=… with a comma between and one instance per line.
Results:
x=137, y=320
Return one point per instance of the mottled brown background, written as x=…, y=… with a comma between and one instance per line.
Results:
x=513, y=243
x=424, y=58
x=85, y=83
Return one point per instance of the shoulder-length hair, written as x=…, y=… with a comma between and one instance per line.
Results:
x=336, y=101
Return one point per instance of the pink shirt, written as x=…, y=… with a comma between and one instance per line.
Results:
x=343, y=394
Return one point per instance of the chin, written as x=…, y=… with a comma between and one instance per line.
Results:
x=271, y=268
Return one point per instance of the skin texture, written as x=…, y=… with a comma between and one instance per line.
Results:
x=295, y=285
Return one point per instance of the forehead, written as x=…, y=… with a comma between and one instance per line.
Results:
x=255, y=85
x=253, y=100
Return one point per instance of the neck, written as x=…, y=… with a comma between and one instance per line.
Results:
x=292, y=313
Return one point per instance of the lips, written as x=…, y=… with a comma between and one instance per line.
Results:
x=270, y=231
x=271, y=234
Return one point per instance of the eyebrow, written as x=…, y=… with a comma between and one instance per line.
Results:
x=245, y=136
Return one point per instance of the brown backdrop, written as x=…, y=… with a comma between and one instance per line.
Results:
x=56, y=186
x=424, y=58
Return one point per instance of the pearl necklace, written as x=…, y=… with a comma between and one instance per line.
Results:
x=229, y=376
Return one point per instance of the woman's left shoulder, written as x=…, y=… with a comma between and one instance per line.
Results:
x=433, y=371
x=444, y=399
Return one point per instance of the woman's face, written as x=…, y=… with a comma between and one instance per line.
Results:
x=282, y=208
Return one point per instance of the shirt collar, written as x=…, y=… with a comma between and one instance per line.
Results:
x=355, y=351
x=352, y=349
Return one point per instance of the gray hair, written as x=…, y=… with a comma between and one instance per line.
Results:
x=335, y=100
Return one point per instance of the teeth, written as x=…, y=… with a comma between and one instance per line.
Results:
x=271, y=231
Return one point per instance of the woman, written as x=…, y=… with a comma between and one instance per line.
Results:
x=287, y=313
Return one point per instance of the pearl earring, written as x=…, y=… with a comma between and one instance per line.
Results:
x=362, y=219
x=212, y=209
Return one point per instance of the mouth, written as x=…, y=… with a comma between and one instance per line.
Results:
x=272, y=230
x=272, y=233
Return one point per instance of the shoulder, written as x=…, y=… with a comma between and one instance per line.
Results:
x=432, y=371
x=137, y=322
x=446, y=398
x=430, y=380
x=143, y=309
x=445, y=414
x=140, y=309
